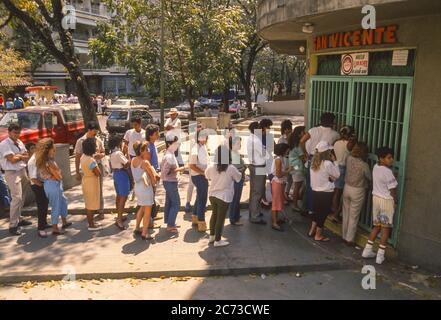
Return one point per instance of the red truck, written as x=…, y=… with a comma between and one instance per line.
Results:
x=63, y=123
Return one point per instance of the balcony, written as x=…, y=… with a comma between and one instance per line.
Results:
x=280, y=22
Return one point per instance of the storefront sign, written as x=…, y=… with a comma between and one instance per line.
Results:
x=399, y=57
x=355, y=64
x=357, y=38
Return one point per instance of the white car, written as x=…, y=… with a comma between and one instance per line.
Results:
x=121, y=103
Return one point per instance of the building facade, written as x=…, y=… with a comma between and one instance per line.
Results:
x=384, y=82
x=114, y=80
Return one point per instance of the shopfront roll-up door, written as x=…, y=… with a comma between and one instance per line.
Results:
x=379, y=110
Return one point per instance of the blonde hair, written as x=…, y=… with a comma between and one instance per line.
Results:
x=318, y=158
x=42, y=152
x=139, y=147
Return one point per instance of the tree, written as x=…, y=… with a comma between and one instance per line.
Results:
x=12, y=69
x=46, y=21
x=254, y=44
x=203, y=40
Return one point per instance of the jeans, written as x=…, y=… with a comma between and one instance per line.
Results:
x=57, y=199
x=217, y=219
x=172, y=202
x=234, y=211
x=42, y=205
x=201, y=184
x=5, y=197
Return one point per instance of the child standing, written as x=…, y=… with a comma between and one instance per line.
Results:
x=280, y=172
x=324, y=171
x=169, y=171
x=222, y=176
x=297, y=161
x=384, y=201
x=121, y=180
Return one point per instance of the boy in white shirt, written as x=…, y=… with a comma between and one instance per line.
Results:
x=384, y=201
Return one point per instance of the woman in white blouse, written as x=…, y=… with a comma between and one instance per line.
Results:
x=222, y=176
x=324, y=171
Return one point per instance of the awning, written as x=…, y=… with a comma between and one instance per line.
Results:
x=39, y=88
x=14, y=83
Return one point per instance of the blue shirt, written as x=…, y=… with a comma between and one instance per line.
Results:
x=154, y=156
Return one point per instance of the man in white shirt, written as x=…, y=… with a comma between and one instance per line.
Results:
x=92, y=131
x=13, y=158
x=311, y=139
x=173, y=128
x=258, y=159
x=133, y=135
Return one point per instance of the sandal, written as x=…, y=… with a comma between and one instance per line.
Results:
x=146, y=238
x=276, y=227
x=42, y=234
x=173, y=230
x=67, y=225
x=57, y=233
x=120, y=226
x=323, y=239
x=311, y=234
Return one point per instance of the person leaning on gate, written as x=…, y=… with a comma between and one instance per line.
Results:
x=324, y=132
x=13, y=159
x=92, y=131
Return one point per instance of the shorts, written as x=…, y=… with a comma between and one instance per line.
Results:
x=382, y=212
x=298, y=176
x=340, y=182
x=121, y=182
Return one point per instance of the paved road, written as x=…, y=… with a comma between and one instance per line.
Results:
x=324, y=285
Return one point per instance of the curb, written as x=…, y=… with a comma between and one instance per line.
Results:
x=13, y=279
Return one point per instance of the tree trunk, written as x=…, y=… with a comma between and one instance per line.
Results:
x=225, y=96
x=189, y=94
x=83, y=94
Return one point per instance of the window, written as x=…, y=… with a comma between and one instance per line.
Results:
x=118, y=115
x=48, y=121
x=72, y=115
x=27, y=120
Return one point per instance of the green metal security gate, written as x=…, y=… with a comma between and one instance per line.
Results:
x=379, y=110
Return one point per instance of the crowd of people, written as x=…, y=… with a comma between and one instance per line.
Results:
x=320, y=173
x=100, y=102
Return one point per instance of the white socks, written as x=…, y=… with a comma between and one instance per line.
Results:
x=368, y=252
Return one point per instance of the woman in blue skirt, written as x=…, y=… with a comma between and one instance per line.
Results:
x=121, y=181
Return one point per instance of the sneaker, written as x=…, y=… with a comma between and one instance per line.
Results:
x=24, y=223
x=380, y=259
x=97, y=227
x=15, y=231
x=380, y=256
x=368, y=253
x=221, y=243
x=211, y=240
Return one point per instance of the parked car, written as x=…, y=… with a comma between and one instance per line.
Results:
x=64, y=123
x=119, y=120
x=122, y=103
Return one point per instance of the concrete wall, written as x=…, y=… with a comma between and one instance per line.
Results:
x=419, y=240
x=290, y=107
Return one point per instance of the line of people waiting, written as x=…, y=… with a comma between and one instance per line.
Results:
x=326, y=171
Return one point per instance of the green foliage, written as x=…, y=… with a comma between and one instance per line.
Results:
x=203, y=43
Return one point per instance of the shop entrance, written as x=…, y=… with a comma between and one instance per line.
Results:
x=379, y=109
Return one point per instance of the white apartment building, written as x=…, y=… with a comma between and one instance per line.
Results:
x=114, y=80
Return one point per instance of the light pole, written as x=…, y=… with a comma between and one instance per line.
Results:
x=162, y=98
